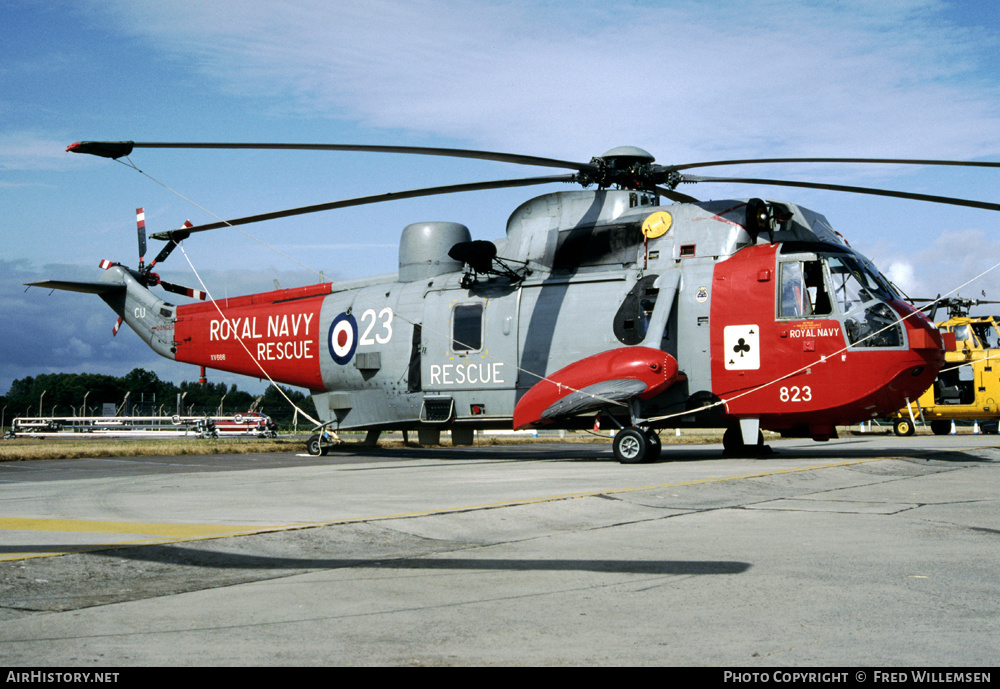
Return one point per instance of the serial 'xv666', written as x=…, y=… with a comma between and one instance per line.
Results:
x=741, y=314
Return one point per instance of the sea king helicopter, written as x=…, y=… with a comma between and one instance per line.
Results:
x=598, y=305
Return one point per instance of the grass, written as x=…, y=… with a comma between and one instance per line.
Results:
x=23, y=449
x=26, y=448
x=76, y=447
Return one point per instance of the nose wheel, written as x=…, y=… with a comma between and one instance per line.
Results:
x=635, y=445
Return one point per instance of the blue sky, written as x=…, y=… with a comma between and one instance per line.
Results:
x=684, y=80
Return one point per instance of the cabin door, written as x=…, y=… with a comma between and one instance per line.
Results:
x=469, y=352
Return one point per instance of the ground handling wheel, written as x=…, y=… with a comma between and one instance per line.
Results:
x=902, y=427
x=315, y=446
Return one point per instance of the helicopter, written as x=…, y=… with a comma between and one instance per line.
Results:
x=599, y=305
x=966, y=388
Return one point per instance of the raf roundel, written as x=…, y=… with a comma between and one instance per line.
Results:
x=343, y=338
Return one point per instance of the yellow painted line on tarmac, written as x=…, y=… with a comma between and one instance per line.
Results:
x=167, y=533
x=604, y=491
x=138, y=528
x=572, y=496
x=173, y=533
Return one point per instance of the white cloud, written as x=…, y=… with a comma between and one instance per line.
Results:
x=957, y=263
x=686, y=80
x=74, y=349
x=680, y=78
x=903, y=275
x=46, y=331
x=35, y=152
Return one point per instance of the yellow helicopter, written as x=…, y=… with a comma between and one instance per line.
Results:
x=966, y=389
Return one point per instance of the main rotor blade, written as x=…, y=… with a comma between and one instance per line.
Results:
x=117, y=149
x=675, y=195
x=854, y=190
x=360, y=201
x=879, y=161
x=176, y=236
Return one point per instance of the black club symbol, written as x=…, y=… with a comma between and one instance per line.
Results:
x=741, y=347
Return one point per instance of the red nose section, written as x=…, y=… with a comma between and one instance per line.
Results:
x=612, y=377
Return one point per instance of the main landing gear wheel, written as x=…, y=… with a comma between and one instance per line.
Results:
x=732, y=444
x=653, y=453
x=902, y=427
x=630, y=446
x=633, y=446
x=941, y=427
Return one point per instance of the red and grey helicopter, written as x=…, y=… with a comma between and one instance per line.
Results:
x=742, y=314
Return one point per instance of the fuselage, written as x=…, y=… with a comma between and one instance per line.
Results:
x=793, y=328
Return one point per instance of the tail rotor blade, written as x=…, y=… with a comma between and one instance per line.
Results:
x=140, y=224
x=181, y=289
x=114, y=330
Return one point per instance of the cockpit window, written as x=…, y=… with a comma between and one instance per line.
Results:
x=803, y=290
x=859, y=293
x=987, y=334
x=853, y=284
x=962, y=332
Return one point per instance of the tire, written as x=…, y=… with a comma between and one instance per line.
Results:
x=314, y=446
x=631, y=446
x=732, y=439
x=655, y=446
x=902, y=427
x=940, y=427
x=732, y=443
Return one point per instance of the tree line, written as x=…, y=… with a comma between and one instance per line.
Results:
x=140, y=393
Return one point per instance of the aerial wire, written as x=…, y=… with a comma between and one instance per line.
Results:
x=216, y=303
x=357, y=294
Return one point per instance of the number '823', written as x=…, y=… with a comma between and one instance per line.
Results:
x=795, y=394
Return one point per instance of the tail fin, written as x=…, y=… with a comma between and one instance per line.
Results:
x=150, y=317
x=74, y=286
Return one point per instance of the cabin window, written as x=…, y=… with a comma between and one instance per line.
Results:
x=413, y=370
x=803, y=290
x=603, y=245
x=467, y=328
